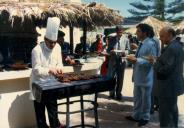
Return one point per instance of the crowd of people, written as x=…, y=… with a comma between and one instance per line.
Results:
x=157, y=71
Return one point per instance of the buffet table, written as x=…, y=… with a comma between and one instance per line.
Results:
x=15, y=107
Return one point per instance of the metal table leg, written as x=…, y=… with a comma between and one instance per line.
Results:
x=96, y=111
x=82, y=111
x=67, y=112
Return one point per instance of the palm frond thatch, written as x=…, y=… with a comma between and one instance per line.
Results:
x=155, y=23
x=180, y=25
x=70, y=14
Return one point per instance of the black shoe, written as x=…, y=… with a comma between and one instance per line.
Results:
x=142, y=122
x=156, y=108
x=111, y=97
x=130, y=118
x=120, y=97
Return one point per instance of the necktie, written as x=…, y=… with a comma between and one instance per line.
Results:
x=138, y=49
x=119, y=48
x=118, y=45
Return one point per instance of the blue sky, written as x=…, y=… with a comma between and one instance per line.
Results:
x=121, y=5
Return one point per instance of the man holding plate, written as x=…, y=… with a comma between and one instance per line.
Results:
x=142, y=75
x=117, y=48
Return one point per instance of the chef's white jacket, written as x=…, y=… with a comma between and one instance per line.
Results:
x=43, y=59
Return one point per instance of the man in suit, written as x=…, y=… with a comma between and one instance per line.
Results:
x=169, y=78
x=142, y=75
x=116, y=65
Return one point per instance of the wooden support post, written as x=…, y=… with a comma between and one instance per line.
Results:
x=71, y=39
x=84, y=37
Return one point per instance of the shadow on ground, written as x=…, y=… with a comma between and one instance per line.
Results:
x=125, y=98
x=112, y=115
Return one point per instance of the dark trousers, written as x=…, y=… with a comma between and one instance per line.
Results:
x=168, y=112
x=52, y=114
x=116, y=69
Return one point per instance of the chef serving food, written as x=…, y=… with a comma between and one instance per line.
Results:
x=46, y=64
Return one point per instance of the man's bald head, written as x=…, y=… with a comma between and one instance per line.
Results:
x=169, y=30
x=167, y=34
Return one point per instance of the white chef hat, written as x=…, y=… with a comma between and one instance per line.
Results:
x=52, y=28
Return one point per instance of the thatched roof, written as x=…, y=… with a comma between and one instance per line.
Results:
x=180, y=25
x=155, y=23
x=70, y=14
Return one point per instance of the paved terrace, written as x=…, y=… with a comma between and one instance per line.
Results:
x=112, y=113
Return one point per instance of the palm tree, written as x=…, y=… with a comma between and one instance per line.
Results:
x=159, y=9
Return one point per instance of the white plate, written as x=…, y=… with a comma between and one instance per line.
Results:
x=146, y=57
x=130, y=55
x=118, y=51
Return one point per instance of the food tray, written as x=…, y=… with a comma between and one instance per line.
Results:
x=19, y=66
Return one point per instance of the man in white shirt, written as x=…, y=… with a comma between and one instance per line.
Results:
x=118, y=46
x=46, y=63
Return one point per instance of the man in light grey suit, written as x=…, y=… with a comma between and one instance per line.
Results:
x=169, y=78
x=143, y=75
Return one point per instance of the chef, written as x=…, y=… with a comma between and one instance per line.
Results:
x=46, y=63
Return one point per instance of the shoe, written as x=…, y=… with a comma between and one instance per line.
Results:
x=111, y=97
x=120, y=97
x=45, y=126
x=142, y=122
x=130, y=118
x=156, y=108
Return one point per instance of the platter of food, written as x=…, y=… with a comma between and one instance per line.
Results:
x=19, y=66
x=75, y=77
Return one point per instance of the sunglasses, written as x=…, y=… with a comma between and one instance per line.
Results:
x=50, y=41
